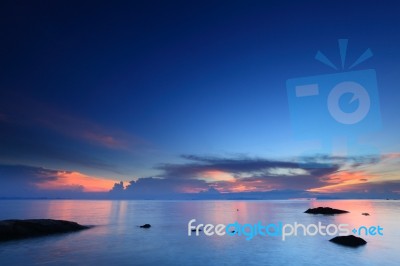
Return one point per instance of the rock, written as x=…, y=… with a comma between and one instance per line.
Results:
x=145, y=226
x=350, y=241
x=365, y=213
x=325, y=211
x=18, y=229
x=195, y=230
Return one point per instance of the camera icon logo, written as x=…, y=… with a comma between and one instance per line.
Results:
x=358, y=92
x=341, y=104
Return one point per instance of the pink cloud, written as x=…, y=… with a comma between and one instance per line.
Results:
x=342, y=181
x=65, y=180
x=71, y=126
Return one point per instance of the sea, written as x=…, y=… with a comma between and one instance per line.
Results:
x=117, y=239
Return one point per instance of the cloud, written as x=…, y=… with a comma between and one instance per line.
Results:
x=238, y=166
x=391, y=156
x=156, y=187
x=28, y=181
x=312, y=175
x=341, y=181
x=383, y=189
x=33, y=133
x=22, y=180
x=36, y=114
x=227, y=175
x=250, y=174
x=218, y=177
x=74, y=180
x=365, y=176
x=24, y=145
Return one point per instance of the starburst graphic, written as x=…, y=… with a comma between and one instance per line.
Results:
x=343, y=51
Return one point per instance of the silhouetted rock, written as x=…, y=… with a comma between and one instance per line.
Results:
x=18, y=229
x=145, y=226
x=325, y=211
x=350, y=241
x=365, y=213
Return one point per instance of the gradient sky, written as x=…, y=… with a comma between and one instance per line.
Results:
x=189, y=96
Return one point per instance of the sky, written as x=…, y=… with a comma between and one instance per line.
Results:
x=197, y=97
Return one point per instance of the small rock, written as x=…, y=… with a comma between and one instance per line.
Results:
x=145, y=226
x=350, y=241
x=325, y=211
x=365, y=214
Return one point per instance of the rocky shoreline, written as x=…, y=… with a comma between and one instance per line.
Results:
x=20, y=229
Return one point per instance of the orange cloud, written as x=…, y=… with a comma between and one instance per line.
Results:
x=77, y=181
x=217, y=175
x=226, y=182
x=240, y=188
x=343, y=181
x=391, y=156
x=243, y=185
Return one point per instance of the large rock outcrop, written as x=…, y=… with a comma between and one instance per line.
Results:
x=18, y=229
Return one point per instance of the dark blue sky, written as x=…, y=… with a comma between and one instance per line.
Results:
x=114, y=90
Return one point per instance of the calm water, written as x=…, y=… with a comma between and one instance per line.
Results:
x=116, y=239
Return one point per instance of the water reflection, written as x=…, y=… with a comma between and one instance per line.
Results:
x=355, y=209
x=117, y=239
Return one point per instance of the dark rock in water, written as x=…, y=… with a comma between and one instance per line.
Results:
x=145, y=226
x=350, y=241
x=365, y=213
x=325, y=211
x=18, y=229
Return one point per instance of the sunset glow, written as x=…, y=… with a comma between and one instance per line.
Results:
x=216, y=175
x=343, y=181
x=77, y=181
x=152, y=105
